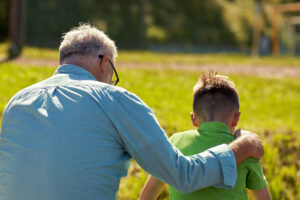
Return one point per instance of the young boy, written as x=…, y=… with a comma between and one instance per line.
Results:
x=215, y=114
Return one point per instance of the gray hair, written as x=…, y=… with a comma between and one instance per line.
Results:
x=86, y=39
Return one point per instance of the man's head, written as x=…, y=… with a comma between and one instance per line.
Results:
x=82, y=46
x=215, y=99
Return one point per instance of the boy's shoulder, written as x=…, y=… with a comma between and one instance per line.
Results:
x=180, y=137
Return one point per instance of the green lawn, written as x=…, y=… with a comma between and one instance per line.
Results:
x=269, y=107
x=266, y=103
x=149, y=57
x=206, y=59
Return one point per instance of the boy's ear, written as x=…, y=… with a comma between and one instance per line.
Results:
x=236, y=118
x=194, y=119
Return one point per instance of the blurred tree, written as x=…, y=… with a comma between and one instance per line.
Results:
x=4, y=15
x=239, y=19
x=142, y=25
x=17, y=27
x=122, y=21
x=257, y=26
x=47, y=20
x=192, y=22
x=134, y=23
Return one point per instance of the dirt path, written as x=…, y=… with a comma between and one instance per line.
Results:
x=226, y=69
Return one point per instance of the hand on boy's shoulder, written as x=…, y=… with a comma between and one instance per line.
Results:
x=252, y=141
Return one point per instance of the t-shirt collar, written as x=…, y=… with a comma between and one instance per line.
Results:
x=214, y=127
x=73, y=69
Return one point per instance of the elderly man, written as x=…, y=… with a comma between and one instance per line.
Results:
x=72, y=136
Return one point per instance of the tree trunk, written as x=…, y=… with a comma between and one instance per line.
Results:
x=17, y=27
x=143, y=28
x=257, y=27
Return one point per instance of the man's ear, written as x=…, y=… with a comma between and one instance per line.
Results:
x=194, y=119
x=236, y=118
x=103, y=64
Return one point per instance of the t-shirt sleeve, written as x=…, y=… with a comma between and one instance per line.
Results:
x=255, y=178
x=172, y=139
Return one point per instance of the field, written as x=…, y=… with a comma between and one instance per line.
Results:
x=270, y=102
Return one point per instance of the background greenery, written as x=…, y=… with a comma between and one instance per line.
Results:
x=147, y=57
x=269, y=106
x=212, y=25
x=4, y=15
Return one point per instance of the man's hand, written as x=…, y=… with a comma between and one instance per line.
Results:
x=246, y=145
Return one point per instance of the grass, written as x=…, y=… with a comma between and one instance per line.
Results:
x=15, y=77
x=149, y=57
x=269, y=106
x=206, y=59
x=266, y=103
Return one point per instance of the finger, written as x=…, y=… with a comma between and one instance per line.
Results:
x=237, y=133
x=262, y=151
x=259, y=150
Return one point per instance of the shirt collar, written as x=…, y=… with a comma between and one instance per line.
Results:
x=73, y=69
x=214, y=128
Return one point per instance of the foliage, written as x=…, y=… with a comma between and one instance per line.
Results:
x=269, y=107
x=241, y=26
x=47, y=20
x=107, y=15
x=4, y=13
x=281, y=164
x=206, y=22
x=194, y=22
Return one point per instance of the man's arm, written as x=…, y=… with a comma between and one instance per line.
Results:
x=143, y=138
x=152, y=189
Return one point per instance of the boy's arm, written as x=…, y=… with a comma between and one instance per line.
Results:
x=152, y=189
x=262, y=194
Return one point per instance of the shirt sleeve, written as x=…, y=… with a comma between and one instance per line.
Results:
x=255, y=177
x=147, y=143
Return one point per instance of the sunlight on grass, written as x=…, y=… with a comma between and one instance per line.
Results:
x=264, y=101
x=3, y=49
x=269, y=106
x=15, y=77
x=207, y=59
x=40, y=53
x=150, y=57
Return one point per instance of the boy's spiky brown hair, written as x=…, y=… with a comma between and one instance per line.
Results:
x=214, y=96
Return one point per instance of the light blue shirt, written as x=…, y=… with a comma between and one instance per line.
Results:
x=71, y=137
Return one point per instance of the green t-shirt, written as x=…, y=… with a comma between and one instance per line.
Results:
x=211, y=134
